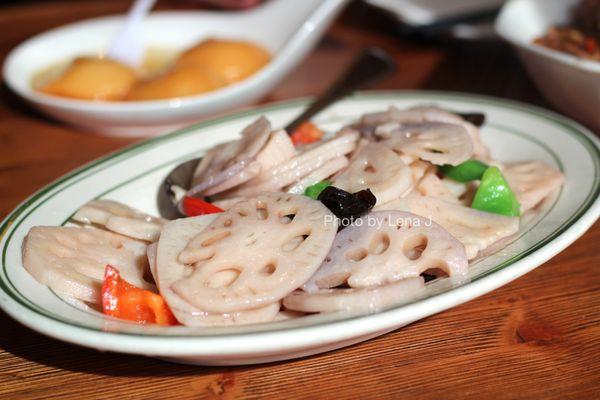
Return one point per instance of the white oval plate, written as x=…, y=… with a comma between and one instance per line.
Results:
x=514, y=132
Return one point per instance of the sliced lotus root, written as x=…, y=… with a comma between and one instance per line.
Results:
x=72, y=260
x=400, y=204
x=532, y=181
x=419, y=168
x=432, y=186
x=475, y=229
x=360, y=144
x=379, y=169
x=174, y=238
x=151, y=252
x=278, y=149
x=298, y=167
x=267, y=313
x=437, y=142
x=385, y=246
x=256, y=253
x=229, y=159
x=328, y=169
x=480, y=151
x=422, y=114
x=460, y=191
x=120, y=218
x=369, y=123
x=369, y=299
x=285, y=315
x=226, y=204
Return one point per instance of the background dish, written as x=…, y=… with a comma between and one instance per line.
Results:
x=514, y=132
x=289, y=33
x=570, y=83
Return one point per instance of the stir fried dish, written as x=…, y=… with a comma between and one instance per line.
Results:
x=279, y=226
x=581, y=37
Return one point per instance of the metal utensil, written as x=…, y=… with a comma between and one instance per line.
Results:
x=370, y=66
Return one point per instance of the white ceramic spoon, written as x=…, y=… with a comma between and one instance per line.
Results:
x=289, y=29
x=128, y=46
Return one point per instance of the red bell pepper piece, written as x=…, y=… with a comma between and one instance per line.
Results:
x=306, y=133
x=590, y=44
x=122, y=300
x=193, y=207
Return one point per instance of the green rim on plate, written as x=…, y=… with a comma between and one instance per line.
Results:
x=15, y=218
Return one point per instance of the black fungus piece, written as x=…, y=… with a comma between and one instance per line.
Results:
x=347, y=206
x=477, y=119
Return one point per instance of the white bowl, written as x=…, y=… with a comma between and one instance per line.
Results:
x=513, y=132
x=570, y=83
x=288, y=29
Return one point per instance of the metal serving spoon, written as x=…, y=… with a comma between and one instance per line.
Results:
x=370, y=66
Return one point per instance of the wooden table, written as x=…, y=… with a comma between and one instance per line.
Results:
x=538, y=337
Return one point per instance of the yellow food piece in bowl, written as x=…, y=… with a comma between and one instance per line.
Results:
x=178, y=82
x=92, y=79
x=232, y=60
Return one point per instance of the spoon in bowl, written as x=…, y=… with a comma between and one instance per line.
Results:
x=370, y=66
x=128, y=46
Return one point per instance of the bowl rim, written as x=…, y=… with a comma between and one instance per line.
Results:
x=564, y=58
x=277, y=63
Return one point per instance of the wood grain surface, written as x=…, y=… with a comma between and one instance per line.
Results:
x=538, y=337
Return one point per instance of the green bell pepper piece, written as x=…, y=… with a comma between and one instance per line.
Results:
x=494, y=195
x=467, y=171
x=315, y=190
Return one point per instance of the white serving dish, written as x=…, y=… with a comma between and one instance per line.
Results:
x=570, y=83
x=289, y=29
x=514, y=131
x=426, y=12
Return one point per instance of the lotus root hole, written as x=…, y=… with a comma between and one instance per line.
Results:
x=435, y=151
x=228, y=222
x=294, y=242
x=415, y=246
x=380, y=243
x=269, y=269
x=215, y=238
x=431, y=273
x=357, y=255
x=223, y=278
x=286, y=216
x=147, y=275
x=261, y=211
x=369, y=168
x=286, y=219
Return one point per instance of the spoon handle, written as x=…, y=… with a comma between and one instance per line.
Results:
x=128, y=46
x=370, y=66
